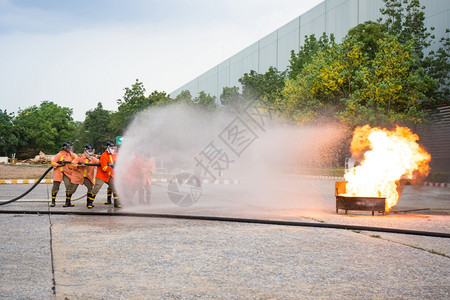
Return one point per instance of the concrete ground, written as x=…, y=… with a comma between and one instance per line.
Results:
x=100, y=257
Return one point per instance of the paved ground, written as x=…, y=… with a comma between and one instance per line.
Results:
x=86, y=257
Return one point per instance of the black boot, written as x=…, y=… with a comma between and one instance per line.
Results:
x=108, y=199
x=53, y=200
x=90, y=200
x=116, y=201
x=68, y=200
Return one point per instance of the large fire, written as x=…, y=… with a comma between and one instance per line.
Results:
x=388, y=157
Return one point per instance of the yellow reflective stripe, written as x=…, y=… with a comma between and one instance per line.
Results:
x=62, y=158
x=85, y=168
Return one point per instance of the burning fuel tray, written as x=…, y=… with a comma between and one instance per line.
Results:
x=357, y=203
x=360, y=203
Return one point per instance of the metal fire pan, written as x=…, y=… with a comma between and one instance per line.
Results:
x=372, y=204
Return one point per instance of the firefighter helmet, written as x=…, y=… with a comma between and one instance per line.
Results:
x=89, y=150
x=67, y=146
x=110, y=147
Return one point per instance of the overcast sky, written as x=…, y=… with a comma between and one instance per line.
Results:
x=79, y=53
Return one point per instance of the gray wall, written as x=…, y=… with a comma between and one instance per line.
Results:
x=330, y=16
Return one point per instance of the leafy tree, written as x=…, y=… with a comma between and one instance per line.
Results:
x=307, y=51
x=184, y=97
x=132, y=95
x=309, y=94
x=360, y=81
x=44, y=128
x=406, y=20
x=391, y=89
x=205, y=102
x=160, y=98
x=377, y=75
x=8, y=137
x=231, y=99
x=437, y=66
x=367, y=35
x=133, y=101
x=95, y=129
x=265, y=87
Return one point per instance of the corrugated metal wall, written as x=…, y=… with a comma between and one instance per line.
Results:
x=436, y=140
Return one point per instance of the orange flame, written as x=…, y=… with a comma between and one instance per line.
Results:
x=389, y=156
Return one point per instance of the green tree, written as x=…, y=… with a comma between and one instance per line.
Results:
x=377, y=75
x=159, y=98
x=265, y=87
x=390, y=88
x=437, y=66
x=95, y=129
x=231, y=99
x=8, y=138
x=309, y=96
x=360, y=81
x=307, y=51
x=132, y=102
x=44, y=128
x=406, y=20
x=205, y=102
x=184, y=97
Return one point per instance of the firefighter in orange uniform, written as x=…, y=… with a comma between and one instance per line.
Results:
x=147, y=165
x=105, y=174
x=83, y=174
x=139, y=168
x=62, y=172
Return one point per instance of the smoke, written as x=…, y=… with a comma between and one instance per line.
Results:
x=268, y=157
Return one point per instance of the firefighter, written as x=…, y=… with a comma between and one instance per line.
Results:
x=83, y=174
x=147, y=165
x=139, y=168
x=62, y=171
x=105, y=174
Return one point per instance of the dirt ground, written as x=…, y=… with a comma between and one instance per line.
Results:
x=23, y=171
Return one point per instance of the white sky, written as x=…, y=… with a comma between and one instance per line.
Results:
x=79, y=53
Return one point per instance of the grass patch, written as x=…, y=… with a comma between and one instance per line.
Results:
x=356, y=231
x=377, y=236
x=432, y=251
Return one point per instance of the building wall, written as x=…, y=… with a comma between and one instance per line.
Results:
x=435, y=137
x=330, y=16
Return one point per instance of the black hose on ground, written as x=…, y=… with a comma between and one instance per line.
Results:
x=29, y=190
x=235, y=220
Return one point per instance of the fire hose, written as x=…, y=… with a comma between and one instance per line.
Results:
x=29, y=190
x=42, y=177
x=236, y=220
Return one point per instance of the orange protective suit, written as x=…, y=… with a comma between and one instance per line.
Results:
x=66, y=169
x=140, y=169
x=81, y=172
x=104, y=171
x=147, y=168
